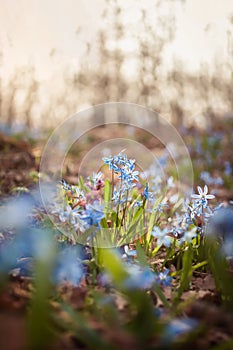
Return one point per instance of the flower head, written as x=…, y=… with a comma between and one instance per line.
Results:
x=146, y=192
x=189, y=235
x=93, y=214
x=203, y=196
x=163, y=279
x=162, y=237
x=96, y=180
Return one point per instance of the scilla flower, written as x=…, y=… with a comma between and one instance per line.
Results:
x=203, y=196
x=162, y=237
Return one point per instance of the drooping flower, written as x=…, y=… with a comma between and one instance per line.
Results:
x=146, y=192
x=128, y=175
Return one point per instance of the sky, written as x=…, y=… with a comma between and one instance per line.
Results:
x=30, y=29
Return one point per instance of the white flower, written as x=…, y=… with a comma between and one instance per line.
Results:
x=202, y=194
x=170, y=182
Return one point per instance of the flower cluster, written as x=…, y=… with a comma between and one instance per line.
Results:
x=124, y=168
x=78, y=208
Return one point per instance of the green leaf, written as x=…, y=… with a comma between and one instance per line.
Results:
x=82, y=184
x=142, y=258
x=107, y=194
x=107, y=191
x=153, y=216
x=186, y=273
x=113, y=264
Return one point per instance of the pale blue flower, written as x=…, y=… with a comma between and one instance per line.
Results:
x=188, y=236
x=119, y=196
x=67, y=215
x=138, y=204
x=160, y=207
x=129, y=252
x=203, y=196
x=68, y=267
x=66, y=186
x=178, y=327
x=93, y=214
x=170, y=182
x=140, y=278
x=78, y=193
x=228, y=168
x=209, y=180
x=162, y=237
x=96, y=178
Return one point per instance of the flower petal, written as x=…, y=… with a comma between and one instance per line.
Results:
x=205, y=189
x=197, y=196
x=210, y=196
x=199, y=190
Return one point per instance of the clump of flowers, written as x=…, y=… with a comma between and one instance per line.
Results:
x=117, y=207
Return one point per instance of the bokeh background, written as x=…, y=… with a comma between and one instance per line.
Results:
x=59, y=57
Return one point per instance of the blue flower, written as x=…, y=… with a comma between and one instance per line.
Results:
x=146, y=192
x=111, y=163
x=177, y=327
x=162, y=237
x=130, y=164
x=188, y=236
x=123, y=166
x=65, y=185
x=138, y=204
x=205, y=176
x=68, y=267
x=121, y=158
x=93, y=214
x=129, y=252
x=119, y=196
x=160, y=207
x=163, y=279
x=127, y=175
x=140, y=278
x=228, y=168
